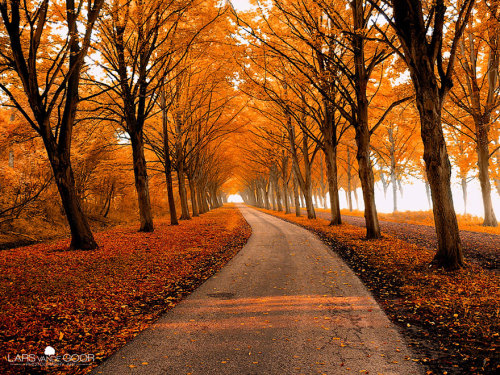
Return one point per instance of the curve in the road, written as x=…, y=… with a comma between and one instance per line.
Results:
x=286, y=304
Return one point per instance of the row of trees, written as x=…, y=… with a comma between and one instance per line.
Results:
x=147, y=74
x=325, y=74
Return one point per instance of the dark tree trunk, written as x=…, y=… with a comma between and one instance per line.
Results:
x=438, y=168
x=168, y=168
x=24, y=54
x=428, y=193
x=285, y=195
x=204, y=200
x=182, y=192
x=361, y=125
x=393, y=170
x=278, y=193
x=355, y=192
x=171, y=200
x=331, y=171
x=464, y=193
x=349, y=180
x=273, y=195
x=311, y=214
x=141, y=181
x=81, y=235
x=296, y=199
x=385, y=184
x=432, y=81
x=367, y=181
x=213, y=196
x=194, y=203
x=307, y=181
x=284, y=177
x=107, y=202
x=394, y=191
x=483, y=157
x=266, y=196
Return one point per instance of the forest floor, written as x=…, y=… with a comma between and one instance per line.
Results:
x=95, y=301
x=480, y=244
x=451, y=318
x=31, y=229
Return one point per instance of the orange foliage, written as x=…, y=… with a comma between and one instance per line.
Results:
x=94, y=301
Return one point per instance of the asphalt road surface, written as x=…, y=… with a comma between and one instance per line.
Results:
x=285, y=304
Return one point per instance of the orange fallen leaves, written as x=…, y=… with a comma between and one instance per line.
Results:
x=465, y=222
x=94, y=301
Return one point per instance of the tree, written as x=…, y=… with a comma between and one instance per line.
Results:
x=421, y=32
x=395, y=151
x=50, y=79
x=477, y=92
x=133, y=36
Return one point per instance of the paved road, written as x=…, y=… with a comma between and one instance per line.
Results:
x=481, y=248
x=284, y=305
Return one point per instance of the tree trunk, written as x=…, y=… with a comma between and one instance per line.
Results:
x=81, y=235
x=349, y=181
x=278, y=193
x=182, y=192
x=284, y=177
x=213, y=196
x=385, y=184
x=367, y=181
x=285, y=195
x=438, y=169
x=141, y=181
x=394, y=191
x=311, y=214
x=355, y=191
x=273, y=195
x=107, y=202
x=464, y=193
x=203, y=199
x=361, y=125
x=331, y=171
x=259, y=201
x=266, y=196
x=296, y=199
x=483, y=156
x=393, y=170
x=194, y=203
x=431, y=86
x=307, y=181
x=171, y=201
x=428, y=193
x=168, y=168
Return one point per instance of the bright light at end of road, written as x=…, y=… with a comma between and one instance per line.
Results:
x=235, y=198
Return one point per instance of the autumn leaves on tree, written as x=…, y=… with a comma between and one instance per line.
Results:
x=166, y=106
x=345, y=73
x=113, y=64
